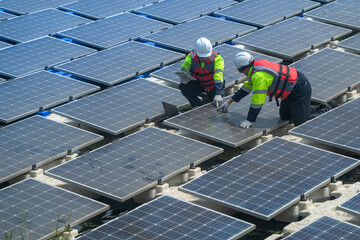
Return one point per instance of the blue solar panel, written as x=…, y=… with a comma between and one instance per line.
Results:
x=4, y=45
x=4, y=16
x=28, y=6
x=326, y=228
x=221, y=31
x=120, y=63
x=290, y=38
x=114, y=30
x=261, y=13
x=123, y=107
x=352, y=205
x=170, y=218
x=270, y=178
x=36, y=55
x=180, y=11
x=352, y=44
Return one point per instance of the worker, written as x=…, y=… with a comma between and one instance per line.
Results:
x=274, y=80
x=207, y=67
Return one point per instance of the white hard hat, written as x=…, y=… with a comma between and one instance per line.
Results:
x=203, y=47
x=243, y=59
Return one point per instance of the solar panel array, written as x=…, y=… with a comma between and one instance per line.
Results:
x=34, y=210
x=39, y=24
x=351, y=43
x=230, y=74
x=338, y=127
x=114, y=30
x=120, y=63
x=325, y=71
x=352, y=205
x=35, y=55
x=180, y=11
x=28, y=6
x=326, y=228
x=261, y=13
x=37, y=140
x=121, y=108
x=207, y=122
x=292, y=37
x=182, y=37
x=342, y=13
x=25, y=96
x=134, y=164
x=101, y=9
x=4, y=16
x=269, y=178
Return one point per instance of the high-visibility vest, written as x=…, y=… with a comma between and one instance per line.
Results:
x=284, y=78
x=204, y=75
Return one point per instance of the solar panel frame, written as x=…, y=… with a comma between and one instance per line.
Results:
x=21, y=7
x=5, y=16
x=291, y=37
x=42, y=205
x=4, y=45
x=351, y=44
x=250, y=172
x=352, y=205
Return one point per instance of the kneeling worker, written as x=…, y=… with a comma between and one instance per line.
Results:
x=275, y=80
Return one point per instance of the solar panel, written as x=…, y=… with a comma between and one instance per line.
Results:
x=270, y=178
x=292, y=37
x=261, y=13
x=338, y=127
x=351, y=43
x=24, y=96
x=38, y=24
x=114, y=30
x=101, y=9
x=4, y=45
x=120, y=63
x=180, y=11
x=352, y=205
x=4, y=16
x=34, y=210
x=207, y=122
x=342, y=13
x=230, y=75
x=35, y=55
x=324, y=1
x=326, y=228
x=37, y=140
x=325, y=71
x=221, y=31
x=121, y=108
x=28, y=6
x=134, y=164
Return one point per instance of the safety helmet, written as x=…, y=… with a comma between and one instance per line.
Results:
x=203, y=47
x=243, y=59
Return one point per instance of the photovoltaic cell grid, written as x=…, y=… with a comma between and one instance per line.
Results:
x=338, y=127
x=123, y=107
x=342, y=13
x=37, y=210
x=325, y=71
x=4, y=45
x=25, y=96
x=326, y=228
x=270, y=178
x=230, y=75
x=170, y=218
x=351, y=43
x=114, y=30
x=37, y=140
x=35, y=55
x=261, y=13
x=38, y=24
x=125, y=168
x=352, y=205
x=101, y=9
x=209, y=123
x=4, y=15
x=28, y=6
x=110, y=66
x=292, y=37
x=182, y=37
x=180, y=11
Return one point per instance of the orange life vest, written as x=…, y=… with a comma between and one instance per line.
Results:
x=204, y=75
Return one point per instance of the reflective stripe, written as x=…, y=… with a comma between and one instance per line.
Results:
x=218, y=80
x=218, y=70
x=192, y=54
x=246, y=89
x=257, y=106
x=212, y=57
x=260, y=92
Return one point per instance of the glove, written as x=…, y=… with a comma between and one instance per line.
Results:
x=217, y=100
x=245, y=124
x=224, y=107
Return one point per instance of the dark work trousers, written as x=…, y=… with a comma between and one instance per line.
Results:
x=296, y=106
x=192, y=90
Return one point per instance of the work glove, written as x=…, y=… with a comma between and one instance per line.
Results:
x=224, y=107
x=245, y=124
x=217, y=100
